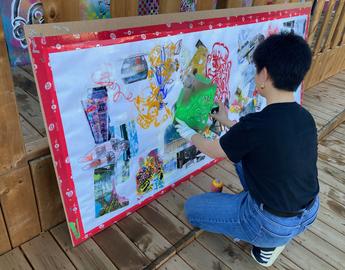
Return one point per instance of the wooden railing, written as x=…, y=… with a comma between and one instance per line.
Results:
x=327, y=39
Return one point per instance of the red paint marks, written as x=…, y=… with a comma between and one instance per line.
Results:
x=218, y=70
x=104, y=78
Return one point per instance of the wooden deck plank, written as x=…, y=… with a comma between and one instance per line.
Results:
x=331, y=175
x=335, y=158
x=304, y=258
x=227, y=251
x=322, y=249
x=318, y=111
x=24, y=81
x=30, y=134
x=28, y=70
x=317, y=107
x=44, y=253
x=328, y=234
x=331, y=125
x=323, y=97
x=334, y=143
x=5, y=244
x=200, y=258
x=339, y=134
x=188, y=189
x=85, y=256
x=29, y=109
x=120, y=250
x=331, y=192
x=323, y=105
x=332, y=213
x=163, y=221
x=144, y=236
x=14, y=260
x=174, y=202
x=175, y=263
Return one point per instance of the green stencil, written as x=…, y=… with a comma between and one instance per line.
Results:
x=195, y=103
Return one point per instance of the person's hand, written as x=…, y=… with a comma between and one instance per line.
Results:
x=184, y=130
x=222, y=115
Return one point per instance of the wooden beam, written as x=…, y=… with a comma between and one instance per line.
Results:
x=19, y=206
x=319, y=41
x=11, y=138
x=315, y=20
x=338, y=17
x=325, y=65
x=168, y=6
x=331, y=125
x=37, y=148
x=123, y=8
x=339, y=31
x=5, y=244
x=231, y=3
x=205, y=5
x=49, y=203
x=61, y=10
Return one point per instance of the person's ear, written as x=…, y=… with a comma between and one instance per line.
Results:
x=264, y=74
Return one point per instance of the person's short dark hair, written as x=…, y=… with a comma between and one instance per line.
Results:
x=287, y=58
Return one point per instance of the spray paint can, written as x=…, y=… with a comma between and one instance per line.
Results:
x=216, y=185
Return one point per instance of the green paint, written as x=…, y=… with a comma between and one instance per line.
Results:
x=74, y=226
x=194, y=104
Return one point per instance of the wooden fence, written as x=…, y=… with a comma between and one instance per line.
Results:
x=327, y=39
x=29, y=198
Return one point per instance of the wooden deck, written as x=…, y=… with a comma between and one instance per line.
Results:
x=158, y=235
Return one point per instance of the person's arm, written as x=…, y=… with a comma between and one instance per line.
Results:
x=209, y=148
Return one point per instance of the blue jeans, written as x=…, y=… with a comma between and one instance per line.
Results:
x=239, y=216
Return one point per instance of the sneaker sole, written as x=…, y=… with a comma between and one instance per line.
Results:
x=272, y=259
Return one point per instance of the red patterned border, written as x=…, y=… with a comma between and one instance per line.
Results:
x=40, y=49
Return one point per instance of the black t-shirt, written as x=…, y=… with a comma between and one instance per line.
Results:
x=278, y=149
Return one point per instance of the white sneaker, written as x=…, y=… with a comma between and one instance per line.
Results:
x=266, y=256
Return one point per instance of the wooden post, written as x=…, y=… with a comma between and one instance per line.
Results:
x=319, y=41
x=315, y=21
x=168, y=6
x=12, y=151
x=123, y=8
x=336, y=41
x=61, y=10
x=338, y=18
x=204, y=5
x=5, y=244
x=16, y=192
x=229, y=3
x=49, y=203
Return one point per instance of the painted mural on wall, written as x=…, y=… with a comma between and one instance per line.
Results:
x=111, y=117
x=15, y=14
x=94, y=9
